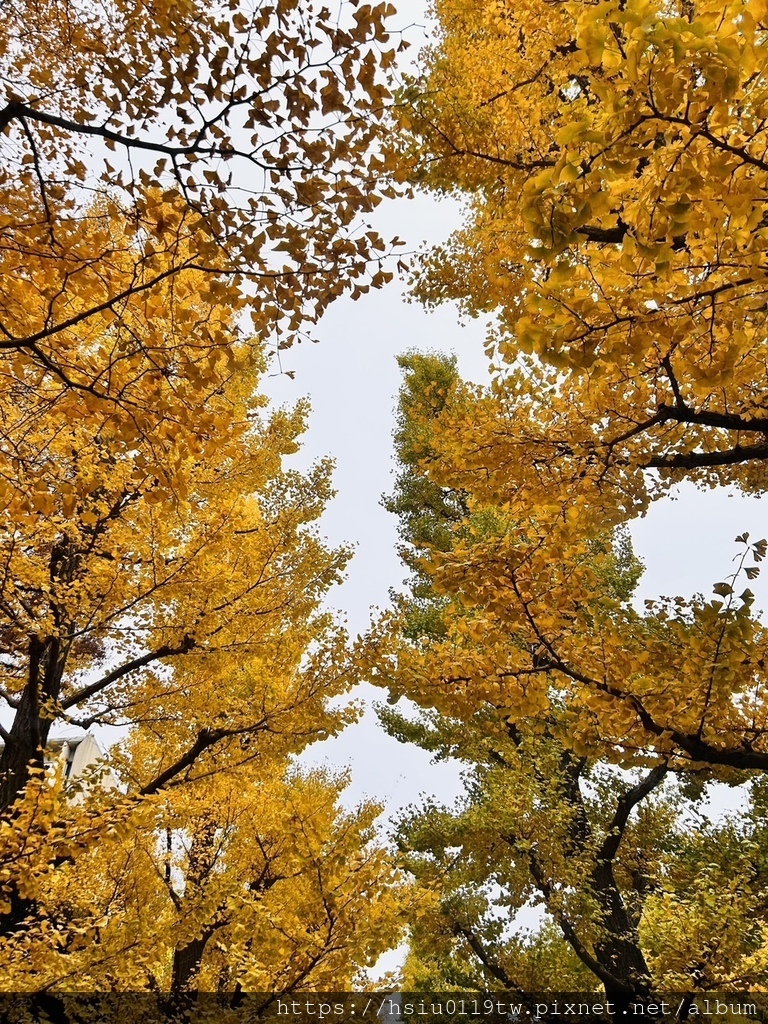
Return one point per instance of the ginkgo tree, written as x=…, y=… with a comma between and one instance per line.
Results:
x=612, y=162
x=249, y=880
x=109, y=571
x=181, y=190
x=630, y=872
x=112, y=575
x=556, y=874
x=243, y=142
x=685, y=681
x=188, y=609
x=121, y=289
x=166, y=170
x=612, y=156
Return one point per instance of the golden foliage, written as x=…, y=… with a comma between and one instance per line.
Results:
x=588, y=732
x=251, y=880
x=613, y=157
x=142, y=141
x=168, y=169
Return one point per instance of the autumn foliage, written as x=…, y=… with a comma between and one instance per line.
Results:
x=183, y=193
x=610, y=158
x=624, y=274
x=627, y=869
x=180, y=196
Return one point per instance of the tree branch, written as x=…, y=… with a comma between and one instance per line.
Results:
x=682, y=413
x=624, y=808
x=569, y=932
x=205, y=738
x=489, y=964
x=166, y=651
x=708, y=460
x=696, y=748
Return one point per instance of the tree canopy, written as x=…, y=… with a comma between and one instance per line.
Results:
x=612, y=156
x=151, y=152
x=181, y=194
x=250, y=880
x=626, y=864
x=610, y=161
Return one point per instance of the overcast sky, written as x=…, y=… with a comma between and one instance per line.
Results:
x=352, y=379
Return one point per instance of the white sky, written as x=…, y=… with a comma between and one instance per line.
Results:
x=352, y=380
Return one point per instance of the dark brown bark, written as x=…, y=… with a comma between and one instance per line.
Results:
x=187, y=961
x=188, y=957
x=619, y=950
x=617, y=959
x=618, y=953
x=27, y=737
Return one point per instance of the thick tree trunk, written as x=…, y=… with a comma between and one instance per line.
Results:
x=28, y=734
x=188, y=957
x=23, y=751
x=618, y=955
x=619, y=952
x=187, y=961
